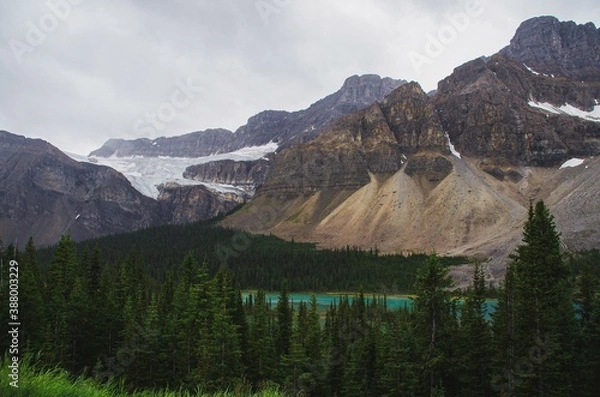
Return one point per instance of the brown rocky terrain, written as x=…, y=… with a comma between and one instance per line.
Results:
x=195, y=202
x=388, y=177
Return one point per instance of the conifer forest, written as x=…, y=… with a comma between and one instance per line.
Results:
x=183, y=309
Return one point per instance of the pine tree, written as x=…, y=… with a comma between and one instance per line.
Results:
x=297, y=379
x=31, y=300
x=61, y=278
x=261, y=348
x=541, y=315
x=475, y=337
x=435, y=322
x=284, y=322
x=503, y=326
x=400, y=373
x=188, y=299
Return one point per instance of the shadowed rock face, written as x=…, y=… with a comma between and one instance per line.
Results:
x=44, y=193
x=285, y=128
x=230, y=172
x=185, y=203
x=561, y=48
x=484, y=107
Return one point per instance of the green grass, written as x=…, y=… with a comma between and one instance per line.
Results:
x=58, y=383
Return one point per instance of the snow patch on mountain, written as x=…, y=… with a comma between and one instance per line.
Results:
x=147, y=173
x=452, y=148
x=568, y=110
x=575, y=162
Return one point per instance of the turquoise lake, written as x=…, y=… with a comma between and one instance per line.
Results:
x=325, y=300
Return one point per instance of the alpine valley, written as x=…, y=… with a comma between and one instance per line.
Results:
x=378, y=164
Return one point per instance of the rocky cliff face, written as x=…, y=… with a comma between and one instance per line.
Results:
x=44, y=193
x=485, y=106
x=282, y=127
x=375, y=140
x=557, y=48
x=248, y=174
x=194, y=203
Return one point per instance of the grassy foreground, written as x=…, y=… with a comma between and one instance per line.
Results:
x=57, y=383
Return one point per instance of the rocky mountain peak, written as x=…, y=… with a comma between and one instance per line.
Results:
x=552, y=47
x=369, y=86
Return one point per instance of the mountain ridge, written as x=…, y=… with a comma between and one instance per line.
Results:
x=282, y=127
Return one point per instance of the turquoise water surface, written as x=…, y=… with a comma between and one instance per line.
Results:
x=394, y=302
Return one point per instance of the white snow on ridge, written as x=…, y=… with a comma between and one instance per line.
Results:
x=146, y=173
x=531, y=70
x=538, y=73
x=575, y=162
x=568, y=110
x=452, y=148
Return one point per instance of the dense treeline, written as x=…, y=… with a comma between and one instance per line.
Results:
x=192, y=329
x=259, y=262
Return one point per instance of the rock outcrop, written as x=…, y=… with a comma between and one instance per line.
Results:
x=376, y=140
x=247, y=174
x=552, y=47
x=453, y=171
x=485, y=106
x=195, y=203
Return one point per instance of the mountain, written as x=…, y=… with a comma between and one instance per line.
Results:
x=44, y=193
x=557, y=48
x=284, y=128
x=454, y=171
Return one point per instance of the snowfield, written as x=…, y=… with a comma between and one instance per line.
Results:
x=146, y=173
x=568, y=110
x=575, y=162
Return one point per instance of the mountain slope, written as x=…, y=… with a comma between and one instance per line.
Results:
x=454, y=172
x=44, y=193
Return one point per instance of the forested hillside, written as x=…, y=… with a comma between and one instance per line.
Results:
x=111, y=317
x=255, y=261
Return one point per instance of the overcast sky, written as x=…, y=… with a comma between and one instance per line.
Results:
x=78, y=72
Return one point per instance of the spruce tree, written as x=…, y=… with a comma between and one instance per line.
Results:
x=435, y=323
x=31, y=299
x=284, y=322
x=61, y=278
x=261, y=348
x=541, y=317
x=475, y=340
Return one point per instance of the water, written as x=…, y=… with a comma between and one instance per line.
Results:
x=324, y=301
